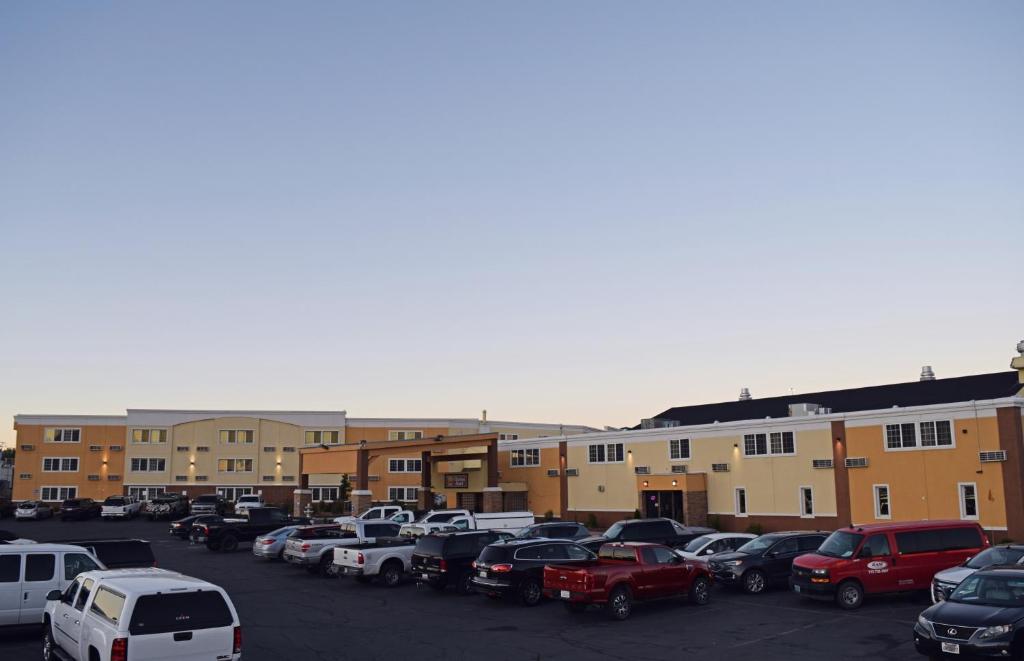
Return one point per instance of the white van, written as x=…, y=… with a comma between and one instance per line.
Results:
x=29, y=571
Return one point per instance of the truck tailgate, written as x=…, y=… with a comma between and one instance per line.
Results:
x=571, y=579
x=347, y=556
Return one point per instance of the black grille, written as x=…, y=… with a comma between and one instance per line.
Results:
x=953, y=632
x=800, y=572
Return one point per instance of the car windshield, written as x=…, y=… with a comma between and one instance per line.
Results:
x=249, y=499
x=71, y=503
x=697, y=544
x=114, y=501
x=758, y=544
x=997, y=555
x=206, y=499
x=614, y=531
x=439, y=517
x=27, y=505
x=983, y=589
x=840, y=544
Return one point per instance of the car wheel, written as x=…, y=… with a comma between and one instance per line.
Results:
x=391, y=574
x=850, y=595
x=49, y=645
x=574, y=607
x=754, y=581
x=465, y=583
x=229, y=543
x=438, y=585
x=326, y=565
x=700, y=591
x=213, y=546
x=530, y=593
x=620, y=603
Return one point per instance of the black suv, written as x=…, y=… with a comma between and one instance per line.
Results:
x=554, y=530
x=182, y=528
x=446, y=558
x=516, y=567
x=656, y=531
x=79, y=508
x=765, y=560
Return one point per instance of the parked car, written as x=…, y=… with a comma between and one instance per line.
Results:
x=247, y=502
x=515, y=568
x=313, y=548
x=29, y=571
x=511, y=521
x=982, y=617
x=121, y=507
x=946, y=580
x=702, y=547
x=554, y=530
x=76, y=509
x=443, y=559
x=381, y=512
x=763, y=561
x=8, y=537
x=141, y=614
x=182, y=528
x=167, y=506
x=656, y=531
x=210, y=503
x=884, y=557
x=271, y=545
x=118, y=553
x=33, y=509
x=226, y=534
x=6, y=508
x=624, y=573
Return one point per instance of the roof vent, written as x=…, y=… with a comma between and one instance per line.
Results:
x=927, y=374
x=745, y=395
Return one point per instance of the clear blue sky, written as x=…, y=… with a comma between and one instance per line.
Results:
x=580, y=212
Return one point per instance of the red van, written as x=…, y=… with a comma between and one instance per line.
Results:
x=883, y=557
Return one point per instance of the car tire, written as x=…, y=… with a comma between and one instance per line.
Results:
x=465, y=583
x=439, y=586
x=620, y=604
x=574, y=607
x=530, y=592
x=49, y=644
x=391, y=574
x=213, y=546
x=324, y=566
x=229, y=544
x=755, y=582
x=700, y=591
x=849, y=595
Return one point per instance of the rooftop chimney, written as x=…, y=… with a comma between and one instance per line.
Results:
x=927, y=374
x=483, y=416
x=745, y=395
x=1018, y=362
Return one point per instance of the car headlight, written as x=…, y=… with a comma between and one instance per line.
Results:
x=733, y=563
x=819, y=572
x=925, y=624
x=992, y=632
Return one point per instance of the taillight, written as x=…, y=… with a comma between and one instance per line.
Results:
x=360, y=559
x=443, y=564
x=304, y=548
x=119, y=650
x=474, y=565
x=238, y=641
x=267, y=542
x=501, y=569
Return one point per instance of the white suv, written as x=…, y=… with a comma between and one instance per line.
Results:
x=121, y=507
x=140, y=614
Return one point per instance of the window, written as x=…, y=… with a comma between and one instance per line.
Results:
x=108, y=604
x=325, y=494
x=679, y=448
x=876, y=546
x=233, y=493
x=60, y=464
x=402, y=494
x=68, y=596
x=741, y=502
x=968, y=500
x=60, y=435
x=405, y=465
x=40, y=566
x=148, y=464
x=149, y=436
x=10, y=568
x=901, y=436
x=508, y=437
x=95, y=448
x=83, y=594
x=323, y=437
x=146, y=493
x=763, y=445
x=936, y=433
x=269, y=448
x=786, y=547
x=526, y=457
x=236, y=436
x=882, y=501
x=234, y=465
x=76, y=563
x=166, y=613
x=806, y=501
x=404, y=435
x=58, y=493
x=605, y=453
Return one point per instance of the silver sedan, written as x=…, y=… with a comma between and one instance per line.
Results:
x=272, y=544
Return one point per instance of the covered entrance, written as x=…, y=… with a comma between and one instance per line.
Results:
x=663, y=503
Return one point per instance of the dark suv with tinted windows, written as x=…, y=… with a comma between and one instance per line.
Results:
x=444, y=559
x=655, y=531
x=554, y=530
x=79, y=508
x=763, y=561
x=516, y=567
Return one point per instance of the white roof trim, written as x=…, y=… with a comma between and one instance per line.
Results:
x=77, y=420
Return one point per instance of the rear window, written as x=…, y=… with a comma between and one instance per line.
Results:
x=108, y=604
x=183, y=611
x=493, y=554
x=114, y=502
x=442, y=517
x=940, y=539
x=430, y=545
x=71, y=503
x=609, y=552
x=206, y=499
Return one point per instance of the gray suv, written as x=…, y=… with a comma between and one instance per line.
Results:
x=947, y=579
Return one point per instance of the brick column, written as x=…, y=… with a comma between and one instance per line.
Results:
x=362, y=470
x=841, y=474
x=301, y=498
x=492, y=466
x=1011, y=440
x=563, y=480
x=362, y=500
x=492, y=500
x=695, y=508
x=424, y=497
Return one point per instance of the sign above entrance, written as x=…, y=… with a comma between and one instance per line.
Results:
x=456, y=480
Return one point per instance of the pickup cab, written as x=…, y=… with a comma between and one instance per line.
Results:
x=625, y=573
x=226, y=534
x=381, y=513
x=464, y=520
x=248, y=502
x=121, y=507
x=313, y=548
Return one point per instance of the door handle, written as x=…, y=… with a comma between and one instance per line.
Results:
x=77, y=621
x=66, y=616
x=26, y=596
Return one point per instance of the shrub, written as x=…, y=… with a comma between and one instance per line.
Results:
x=549, y=515
x=715, y=521
x=755, y=529
x=636, y=514
x=591, y=521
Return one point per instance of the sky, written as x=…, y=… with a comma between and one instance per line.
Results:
x=572, y=212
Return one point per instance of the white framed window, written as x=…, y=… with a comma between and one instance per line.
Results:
x=508, y=437
x=740, y=501
x=148, y=464
x=149, y=436
x=775, y=444
x=404, y=435
x=402, y=494
x=405, y=465
x=883, y=509
x=901, y=436
x=60, y=464
x=237, y=436
x=524, y=457
x=806, y=502
x=54, y=494
x=146, y=493
x=234, y=493
x=62, y=435
x=240, y=465
x=324, y=494
x=323, y=437
x=605, y=453
x=679, y=448
x=936, y=433
x=968, y=500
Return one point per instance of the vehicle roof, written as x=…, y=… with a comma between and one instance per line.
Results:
x=782, y=533
x=647, y=520
x=519, y=542
x=145, y=580
x=41, y=547
x=1003, y=570
x=724, y=535
x=455, y=533
x=543, y=524
x=911, y=525
x=632, y=544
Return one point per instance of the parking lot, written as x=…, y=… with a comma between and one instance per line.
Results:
x=288, y=614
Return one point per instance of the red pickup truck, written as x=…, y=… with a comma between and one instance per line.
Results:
x=624, y=573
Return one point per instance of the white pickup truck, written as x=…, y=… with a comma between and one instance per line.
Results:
x=464, y=520
x=381, y=513
x=121, y=507
x=312, y=547
x=248, y=502
x=388, y=558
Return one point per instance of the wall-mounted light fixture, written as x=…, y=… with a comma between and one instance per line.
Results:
x=736, y=445
x=629, y=452
x=646, y=483
x=675, y=482
x=191, y=463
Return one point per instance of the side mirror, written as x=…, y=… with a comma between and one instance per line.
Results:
x=53, y=595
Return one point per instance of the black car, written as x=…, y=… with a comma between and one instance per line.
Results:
x=657, y=531
x=554, y=530
x=515, y=568
x=76, y=509
x=183, y=527
x=118, y=553
x=6, y=508
x=763, y=561
x=168, y=505
x=446, y=558
x=982, y=617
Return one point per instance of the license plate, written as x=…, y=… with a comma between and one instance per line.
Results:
x=483, y=573
x=200, y=539
x=951, y=648
x=796, y=588
x=424, y=576
x=564, y=594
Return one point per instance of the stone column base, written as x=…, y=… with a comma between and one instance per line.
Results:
x=361, y=501
x=492, y=500
x=300, y=499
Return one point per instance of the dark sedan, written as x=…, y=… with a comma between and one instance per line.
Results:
x=515, y=568
x=764, y=561
x=76, y=509
x=183, y=527
x=982, y=617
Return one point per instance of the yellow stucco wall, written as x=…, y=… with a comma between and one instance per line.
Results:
x=90, y=462
x=543, y=490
